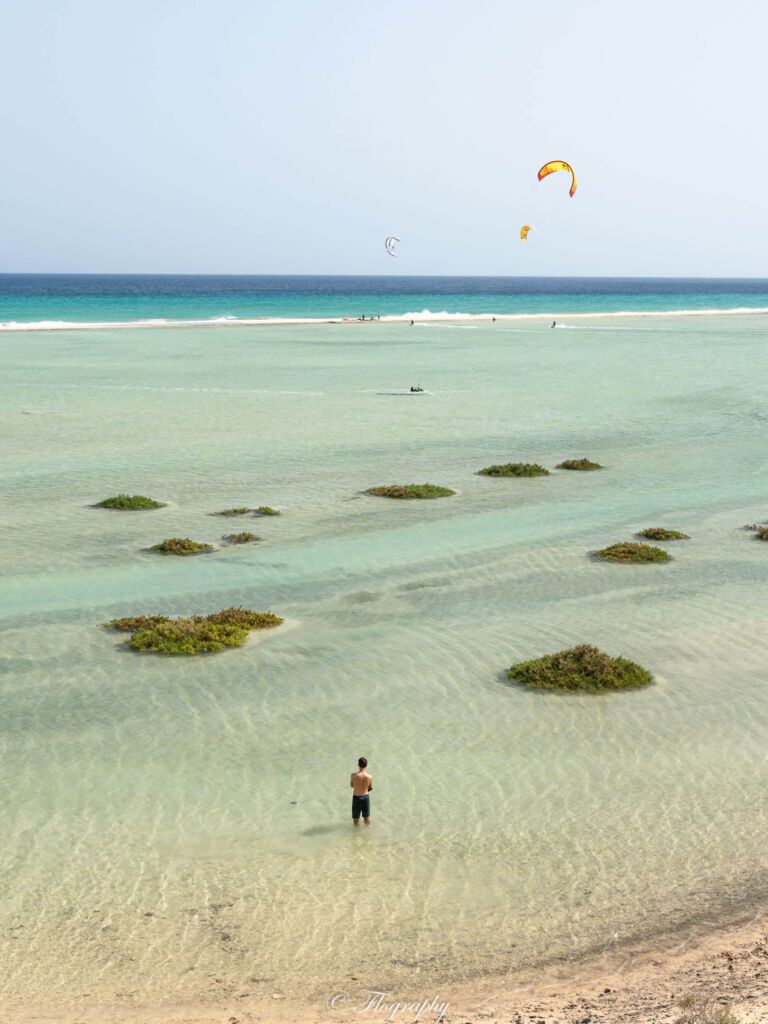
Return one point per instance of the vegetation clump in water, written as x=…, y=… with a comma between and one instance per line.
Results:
x=129, y=502
x=581, y=464
x=627, y=551
x=761, y=533
x=419, y=491
x=583, y=668
x=187, y=636
x=515, y=469
x=245, y=618
x=240, y=538
x=262, y=510
x=131, y=623
x=197, y=634
x=661, y=533
x=180, y=546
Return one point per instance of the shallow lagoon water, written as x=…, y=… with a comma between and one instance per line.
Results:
x=178, y=829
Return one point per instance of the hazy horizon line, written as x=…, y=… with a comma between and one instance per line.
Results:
x=491, y=277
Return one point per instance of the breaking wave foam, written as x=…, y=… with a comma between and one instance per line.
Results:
x=426, y=314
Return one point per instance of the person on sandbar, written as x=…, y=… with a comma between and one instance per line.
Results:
x=362, y=784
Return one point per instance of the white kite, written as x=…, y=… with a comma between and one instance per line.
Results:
x=389, y=244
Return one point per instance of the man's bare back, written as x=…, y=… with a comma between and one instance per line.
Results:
x=362, y=784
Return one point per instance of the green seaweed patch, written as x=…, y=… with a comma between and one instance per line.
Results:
x=132, y=623
x=584, y=669
x=188, y=636
x=242, y=510
x=180, y=546
x=407, y=491
x=244, y=617
x=240, y=538
x=198, y=634
x=129, y=503
x=661, y=533
x=584, y=465
x=515, y=469
x=627, y=551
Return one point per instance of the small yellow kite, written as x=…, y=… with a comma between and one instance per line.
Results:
x=524, y=232
x=560, y=165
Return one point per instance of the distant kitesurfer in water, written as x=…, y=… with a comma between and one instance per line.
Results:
x=362, y=784
x=554, y=323
x=416, y=390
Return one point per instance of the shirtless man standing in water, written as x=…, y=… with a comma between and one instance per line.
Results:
x=361, y=783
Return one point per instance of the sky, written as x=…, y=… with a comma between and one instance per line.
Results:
x=291, y=136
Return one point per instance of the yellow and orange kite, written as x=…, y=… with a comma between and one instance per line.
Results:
x=524, y=231
x=560, y=165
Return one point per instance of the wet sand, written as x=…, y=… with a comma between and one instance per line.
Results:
x=727, y=968
x=425, y=316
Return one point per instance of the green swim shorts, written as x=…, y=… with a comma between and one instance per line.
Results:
x=361, y=805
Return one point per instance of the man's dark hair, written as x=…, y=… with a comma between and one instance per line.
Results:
x=362, y=762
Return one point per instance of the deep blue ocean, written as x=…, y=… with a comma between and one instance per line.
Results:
x=83, y=298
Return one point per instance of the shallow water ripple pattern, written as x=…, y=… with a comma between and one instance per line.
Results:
x=178, y=829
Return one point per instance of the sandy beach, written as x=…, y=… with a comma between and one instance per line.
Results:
x=728, y=967
x=725, y=968
x=425, y=316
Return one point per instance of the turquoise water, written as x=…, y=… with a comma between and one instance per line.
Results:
x=105, y=298
x=178, y=829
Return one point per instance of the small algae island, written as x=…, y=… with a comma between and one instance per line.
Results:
x=583, y=669
x=240, y=538
x=628, y=551
x=180, y=546
x=411, y=491
x=662, y=533
x=244, y=510
x=239, y=511
x=583, y=465
x=132, y=623
x=515, y=469
x=197, y=634
x=129, y=503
